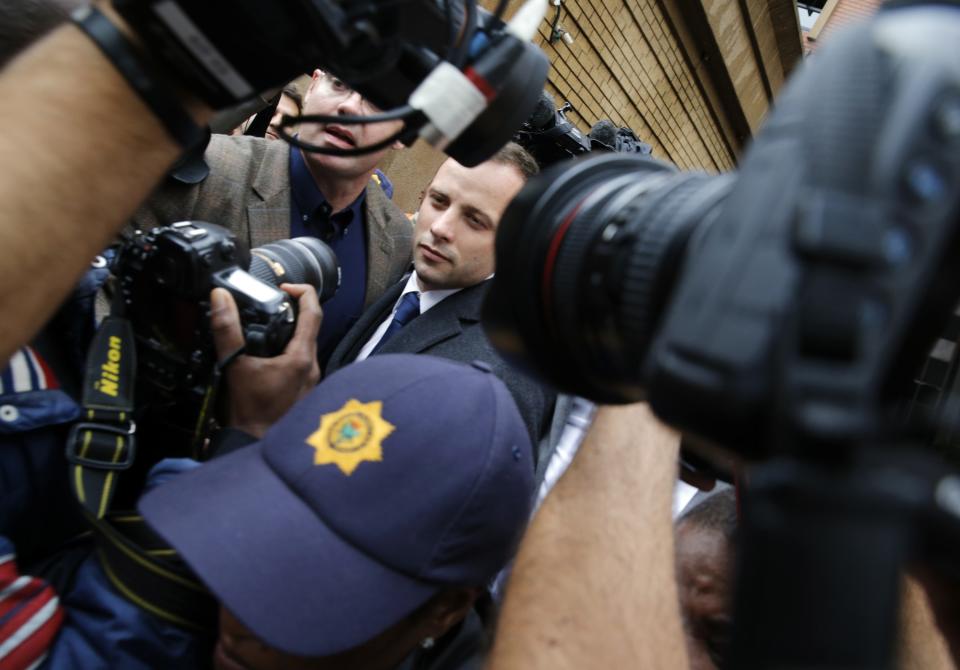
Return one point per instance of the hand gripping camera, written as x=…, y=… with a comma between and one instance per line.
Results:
x=163, y=272
x=164, y=278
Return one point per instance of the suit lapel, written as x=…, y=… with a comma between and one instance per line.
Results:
x=269, y=213
x=380, y=244
x=349, y=347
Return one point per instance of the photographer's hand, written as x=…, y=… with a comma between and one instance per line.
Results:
x=261, y=390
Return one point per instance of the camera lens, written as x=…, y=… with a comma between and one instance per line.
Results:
x=587, y=255
x=302, y=260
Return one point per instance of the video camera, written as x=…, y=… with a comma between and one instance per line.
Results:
x=779, y=314
x=455, y=75
x=551, y=137
x=698, y=292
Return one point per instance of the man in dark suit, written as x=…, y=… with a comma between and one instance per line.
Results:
x=436, y=309
x=264, y=191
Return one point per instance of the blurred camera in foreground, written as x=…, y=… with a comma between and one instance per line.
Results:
x=788, y=304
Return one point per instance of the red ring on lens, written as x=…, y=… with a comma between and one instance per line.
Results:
x=546, y=284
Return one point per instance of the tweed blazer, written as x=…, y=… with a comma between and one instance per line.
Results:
x=450, y=329
x=248, y=191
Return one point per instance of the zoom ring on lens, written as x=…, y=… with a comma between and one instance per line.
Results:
x=655, y=256
x=266, y=268
x=574, y=254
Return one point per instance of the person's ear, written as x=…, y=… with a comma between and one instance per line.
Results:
x=314, y=80
x=448, y=609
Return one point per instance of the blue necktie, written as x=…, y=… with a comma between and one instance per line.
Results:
x=408, y=308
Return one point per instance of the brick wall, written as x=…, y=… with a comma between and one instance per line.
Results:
x=850, y=10
x=835, y=14
x=692, y=79
x=627, y=64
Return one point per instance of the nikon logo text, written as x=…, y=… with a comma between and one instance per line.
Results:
x=110, y=371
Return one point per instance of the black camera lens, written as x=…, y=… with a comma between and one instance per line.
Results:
x=302, y=260
x=587, y=255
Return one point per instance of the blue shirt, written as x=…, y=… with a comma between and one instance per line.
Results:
x=345, y=232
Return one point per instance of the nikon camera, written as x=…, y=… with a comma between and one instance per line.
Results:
x=163, y=283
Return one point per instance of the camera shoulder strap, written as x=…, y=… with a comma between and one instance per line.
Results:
x=139, y=564
x=101, y=445
x=150, y=574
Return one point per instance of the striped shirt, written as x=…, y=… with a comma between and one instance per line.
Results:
x=30, y=615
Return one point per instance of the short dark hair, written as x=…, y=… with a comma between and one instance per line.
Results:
x=513, y=154
x=715, y=512
x=291, y=92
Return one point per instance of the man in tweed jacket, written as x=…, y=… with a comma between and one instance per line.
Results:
x=264, y=191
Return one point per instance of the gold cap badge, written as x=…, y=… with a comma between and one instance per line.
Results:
x=350, y=435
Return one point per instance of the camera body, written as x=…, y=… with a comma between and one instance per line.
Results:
x=161, y=272
x=163, y=282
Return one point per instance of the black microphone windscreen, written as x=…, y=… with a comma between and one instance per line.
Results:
x=544, y=114
x=605, y=133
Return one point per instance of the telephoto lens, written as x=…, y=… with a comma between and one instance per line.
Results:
x=301, y=260
x=587, y=255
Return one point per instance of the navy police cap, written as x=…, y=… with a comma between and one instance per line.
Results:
x=395, y=477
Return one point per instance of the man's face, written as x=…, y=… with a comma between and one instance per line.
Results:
x=457, y=223
x=240, y=649
x=703, y=581
x=330, y=96
x=287, y=106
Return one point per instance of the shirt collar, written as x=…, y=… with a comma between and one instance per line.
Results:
x=310, y=199
x=428, y=299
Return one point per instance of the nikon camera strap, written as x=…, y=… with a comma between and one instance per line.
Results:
x=101, y=445
x=99, y=448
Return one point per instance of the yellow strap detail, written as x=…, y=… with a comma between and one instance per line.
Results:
x=78, y=475
x=163, y=614
x=78, y=471
x=162, y=552
x=87, y=436
x=108, y=482
x=133, y=518
x=152, y=567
